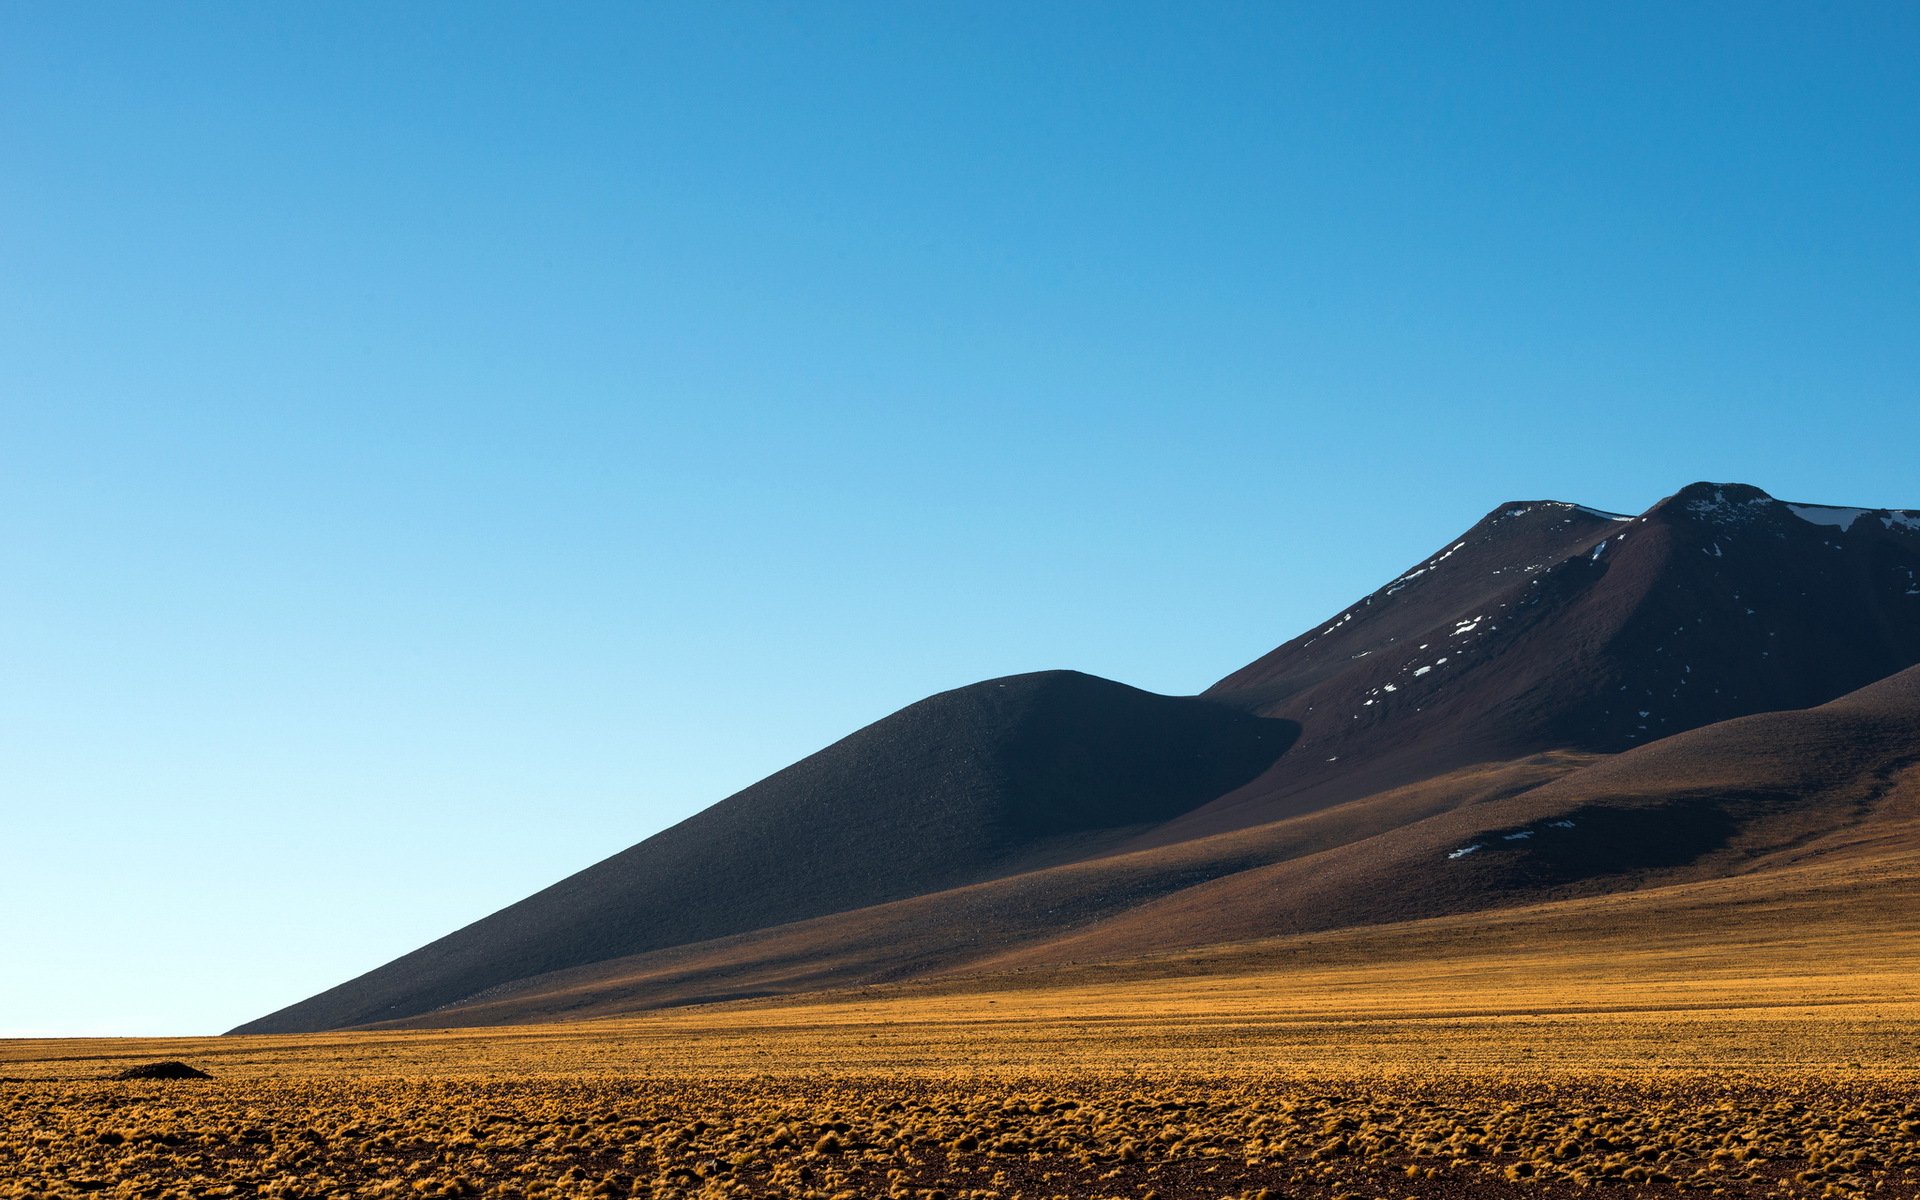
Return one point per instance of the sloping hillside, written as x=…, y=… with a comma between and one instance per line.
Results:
x=1717, y=602
x=1757, y=794
x=965, y=785
x=1560, y=703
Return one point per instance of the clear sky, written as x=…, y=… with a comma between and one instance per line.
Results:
x=443, y=444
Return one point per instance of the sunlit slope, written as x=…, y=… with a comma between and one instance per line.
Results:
x=968, y=784
x=1806, y=966
x=1744, y=1038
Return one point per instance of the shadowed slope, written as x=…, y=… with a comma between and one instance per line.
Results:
x=1604, y=634
x=1743, y=795
x=965, y=785
x=1507, y=548
x=951, y=930
x=1463, y=707
x=1755, y=794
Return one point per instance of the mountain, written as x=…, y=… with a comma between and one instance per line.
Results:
x=1561, y=702
x=1769, y=792
x=1551, y=626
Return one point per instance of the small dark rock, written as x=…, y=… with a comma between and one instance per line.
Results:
x=163, y=1070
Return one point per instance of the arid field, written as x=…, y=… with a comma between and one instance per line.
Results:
x=1582, y=858
x=1625, y=1043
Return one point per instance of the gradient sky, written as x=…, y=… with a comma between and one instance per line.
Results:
x=441, y=445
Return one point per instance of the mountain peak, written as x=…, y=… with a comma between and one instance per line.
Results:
x=1713, y=500
x=1739, y=504
x=1516, y=508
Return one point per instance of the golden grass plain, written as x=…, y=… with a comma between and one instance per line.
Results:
x=1757, y=1036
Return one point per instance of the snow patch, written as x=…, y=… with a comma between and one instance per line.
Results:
x=1429, y=565
x=1337, y=624
x=1824, y=514
x=1592, y=512
x=1463, y=851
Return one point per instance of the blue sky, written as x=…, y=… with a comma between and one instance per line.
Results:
x=442, y=444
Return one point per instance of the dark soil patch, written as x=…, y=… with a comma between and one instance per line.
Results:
x=163, y=1070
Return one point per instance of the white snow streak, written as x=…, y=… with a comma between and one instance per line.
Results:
x=1824, y=514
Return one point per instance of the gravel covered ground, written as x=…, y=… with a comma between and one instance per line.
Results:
x=852, y=1137
x=1524, y=1069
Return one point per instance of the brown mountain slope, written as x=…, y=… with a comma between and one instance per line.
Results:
x=1733, y=798
x=944, y=931
x=1742, y=797
x=969, y=784
x=1717, y=602
x=1322, y=785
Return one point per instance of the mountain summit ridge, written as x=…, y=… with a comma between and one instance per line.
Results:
x=1578, y=638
